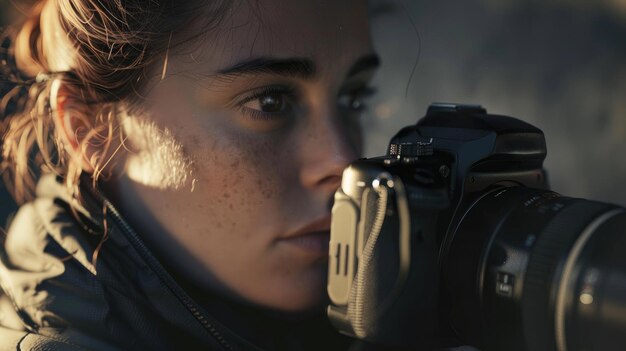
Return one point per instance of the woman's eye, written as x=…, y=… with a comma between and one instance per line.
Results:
x=351, y=102
x=354, y=101
x=270, y=103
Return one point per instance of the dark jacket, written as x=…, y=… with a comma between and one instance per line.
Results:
x=56, y=299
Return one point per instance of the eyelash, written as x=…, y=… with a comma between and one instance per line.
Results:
x=287, y=92
x=290, y=95
x=359, y=94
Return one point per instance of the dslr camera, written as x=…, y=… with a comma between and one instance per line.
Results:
x=453, y=238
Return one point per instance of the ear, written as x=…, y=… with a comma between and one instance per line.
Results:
x=71, y=121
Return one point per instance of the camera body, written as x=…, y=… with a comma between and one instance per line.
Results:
x=391, y=280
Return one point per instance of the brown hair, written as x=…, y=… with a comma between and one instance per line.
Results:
x=104, y=52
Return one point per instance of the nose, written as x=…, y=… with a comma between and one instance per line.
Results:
x=329, y=148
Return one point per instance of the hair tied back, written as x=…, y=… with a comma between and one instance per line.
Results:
x=14, y=86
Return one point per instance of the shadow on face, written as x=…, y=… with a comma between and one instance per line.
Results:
x=243, y=143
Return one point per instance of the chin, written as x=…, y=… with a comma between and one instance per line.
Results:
x=305, y=303
x=301, y=295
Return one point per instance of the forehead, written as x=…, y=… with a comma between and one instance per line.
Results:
x=333, y=33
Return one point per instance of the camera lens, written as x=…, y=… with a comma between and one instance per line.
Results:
x=528, y=269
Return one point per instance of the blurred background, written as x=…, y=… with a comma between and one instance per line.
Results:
x=558, y=64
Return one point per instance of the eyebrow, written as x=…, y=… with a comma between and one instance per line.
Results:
x=294, y=67
x=365, y=63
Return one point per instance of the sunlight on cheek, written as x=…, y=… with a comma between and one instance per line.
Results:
x=157, y=159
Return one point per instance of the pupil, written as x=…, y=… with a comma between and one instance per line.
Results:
x=271, y=103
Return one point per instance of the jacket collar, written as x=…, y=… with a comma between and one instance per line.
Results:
x=127, y=296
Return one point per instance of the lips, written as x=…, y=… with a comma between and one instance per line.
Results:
x=316, y=242
x=312, y=238
x=320, y=225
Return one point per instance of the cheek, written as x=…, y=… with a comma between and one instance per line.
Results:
x=157, y=159
x=243, y=178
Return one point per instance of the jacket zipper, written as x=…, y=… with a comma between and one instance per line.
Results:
x=180, y=294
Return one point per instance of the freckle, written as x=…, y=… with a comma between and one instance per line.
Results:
x=235, y=164
x=226, y=195
x=230, y=206
x=195, y=141
x=218, y=224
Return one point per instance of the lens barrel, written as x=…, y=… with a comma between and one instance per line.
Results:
x=545, y=272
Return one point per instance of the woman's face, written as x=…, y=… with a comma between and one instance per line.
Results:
x=235, y=163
